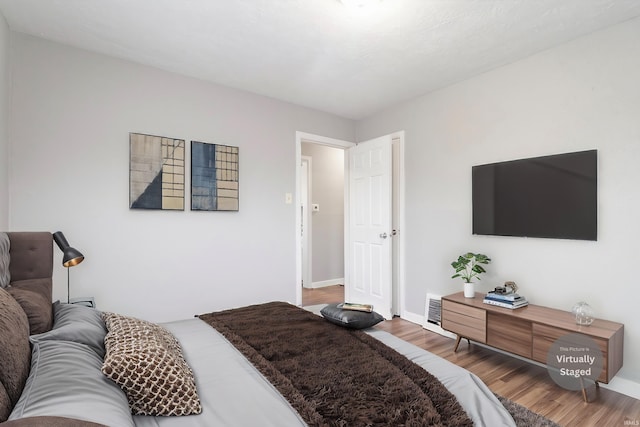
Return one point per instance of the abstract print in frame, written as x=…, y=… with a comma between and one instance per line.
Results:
x=214, y=177
x=156, y=172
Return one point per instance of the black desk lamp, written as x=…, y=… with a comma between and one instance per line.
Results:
x=70, y=256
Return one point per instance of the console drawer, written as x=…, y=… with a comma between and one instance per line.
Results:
x=544, y=337
x=509, y=333
x=469, y=322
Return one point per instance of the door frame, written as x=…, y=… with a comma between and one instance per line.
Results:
x=315, y=139
x=305, y=221
x=398, y=256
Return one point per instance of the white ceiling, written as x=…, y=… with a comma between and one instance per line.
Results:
x=321, y=54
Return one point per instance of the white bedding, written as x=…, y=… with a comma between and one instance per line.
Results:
x=234, y=393
x=231, y=390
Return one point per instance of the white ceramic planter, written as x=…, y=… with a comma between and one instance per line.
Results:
x=469, y=290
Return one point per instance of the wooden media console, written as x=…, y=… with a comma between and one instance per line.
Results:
x=528, y=331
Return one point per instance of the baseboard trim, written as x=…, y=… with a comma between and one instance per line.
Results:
x=412, y=317
x=325, y=283
x=624, y=386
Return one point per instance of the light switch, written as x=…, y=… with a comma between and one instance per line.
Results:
x=288, y=198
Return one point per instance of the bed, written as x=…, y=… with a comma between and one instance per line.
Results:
x=270, y=364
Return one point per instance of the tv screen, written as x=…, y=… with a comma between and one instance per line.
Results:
x=551, y=197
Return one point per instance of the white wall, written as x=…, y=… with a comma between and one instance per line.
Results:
x=581, y=95
x=72, y=113
x=4, y=128
x=327, y=182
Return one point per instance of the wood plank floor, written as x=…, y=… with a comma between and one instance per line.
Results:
x=523, y=382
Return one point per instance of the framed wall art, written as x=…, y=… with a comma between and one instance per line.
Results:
x=214, y=177
x=156, y=172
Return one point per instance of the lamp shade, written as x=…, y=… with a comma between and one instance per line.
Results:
x=70, y=256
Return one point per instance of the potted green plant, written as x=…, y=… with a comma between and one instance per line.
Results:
x=469, y=266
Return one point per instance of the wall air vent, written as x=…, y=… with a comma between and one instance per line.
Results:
x=432, y=315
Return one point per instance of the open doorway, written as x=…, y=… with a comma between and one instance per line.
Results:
x=314, y=288
x=302, y=215
x=322, y=203
x=322, y=185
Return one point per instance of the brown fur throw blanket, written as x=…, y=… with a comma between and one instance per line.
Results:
x=335, y=376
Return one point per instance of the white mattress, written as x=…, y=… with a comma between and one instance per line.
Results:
x=234, y=393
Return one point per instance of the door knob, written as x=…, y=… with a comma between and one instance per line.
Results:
x=383, y=235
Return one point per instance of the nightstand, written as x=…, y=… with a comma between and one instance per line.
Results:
x=84, y=301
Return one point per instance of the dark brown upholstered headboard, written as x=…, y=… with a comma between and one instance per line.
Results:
x=31, y=256
x=25, y=307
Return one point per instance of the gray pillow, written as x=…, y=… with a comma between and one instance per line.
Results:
x=66, y=381
x=351, y=319
x=5, y=274
x=76, y=323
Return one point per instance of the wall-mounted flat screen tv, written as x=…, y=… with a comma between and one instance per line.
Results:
x=551, y=197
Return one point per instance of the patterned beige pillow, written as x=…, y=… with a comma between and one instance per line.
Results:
x=146, y=361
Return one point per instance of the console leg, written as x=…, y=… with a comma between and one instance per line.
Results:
x=458, y=343
x=584, y=390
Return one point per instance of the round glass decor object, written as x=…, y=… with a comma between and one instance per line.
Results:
x=583, y=313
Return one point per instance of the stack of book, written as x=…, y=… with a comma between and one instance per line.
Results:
x=357, y=307
x=511, y=300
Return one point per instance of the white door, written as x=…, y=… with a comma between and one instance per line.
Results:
x=370, y=177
